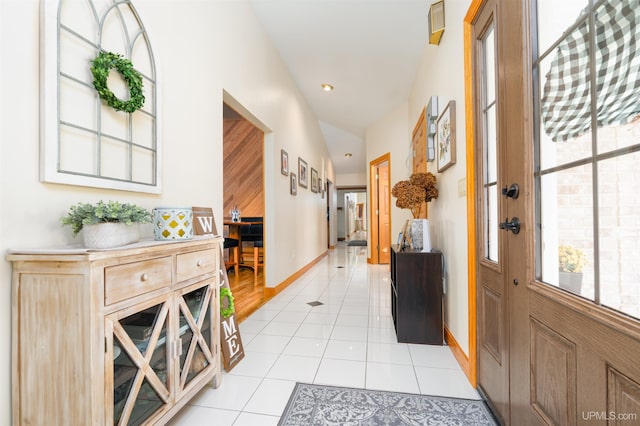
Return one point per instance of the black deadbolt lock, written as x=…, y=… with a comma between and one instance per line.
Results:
x=512, y=192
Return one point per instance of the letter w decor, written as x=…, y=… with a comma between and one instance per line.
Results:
x=203, y=222
x=230, y=340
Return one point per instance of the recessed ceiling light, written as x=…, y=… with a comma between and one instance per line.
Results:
x=348, y=155
x=326, y=87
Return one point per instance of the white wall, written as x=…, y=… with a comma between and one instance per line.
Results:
x=441, y=73
x=448, y=214
x=391, y=134
x=351, y=179
x=201, y=49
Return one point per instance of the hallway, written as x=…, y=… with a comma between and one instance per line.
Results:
x=347, y=341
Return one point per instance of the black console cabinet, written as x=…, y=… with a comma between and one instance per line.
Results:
x=416, y=296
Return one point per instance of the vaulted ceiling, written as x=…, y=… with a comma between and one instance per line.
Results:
x=369, y=50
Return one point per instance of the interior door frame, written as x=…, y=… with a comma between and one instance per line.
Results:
x=374, y=223
x=472, y=366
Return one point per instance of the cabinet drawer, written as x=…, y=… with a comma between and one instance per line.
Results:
x=125, y=281
x=196, y=263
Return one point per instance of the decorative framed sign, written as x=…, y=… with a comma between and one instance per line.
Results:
x=303, y=174
x=314, y=180
x=446, y=137
x=293, y=185
x=284, y=162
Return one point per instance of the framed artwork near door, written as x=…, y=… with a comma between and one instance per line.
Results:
x=303, y=174
x=446, y=137
x=284, y=162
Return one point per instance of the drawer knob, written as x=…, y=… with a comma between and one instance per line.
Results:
x=199, y=263
x=144, y=277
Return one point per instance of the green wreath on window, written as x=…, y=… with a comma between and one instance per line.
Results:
x=225, y=293
x=102, y=66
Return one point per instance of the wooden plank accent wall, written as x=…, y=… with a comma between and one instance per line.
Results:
x=243, y=178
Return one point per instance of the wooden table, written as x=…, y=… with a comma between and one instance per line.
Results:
x=234, y=232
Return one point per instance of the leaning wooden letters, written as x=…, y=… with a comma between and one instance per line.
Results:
x=230, y=340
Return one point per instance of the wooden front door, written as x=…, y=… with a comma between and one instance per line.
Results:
x=492, y=246
x=550, y=118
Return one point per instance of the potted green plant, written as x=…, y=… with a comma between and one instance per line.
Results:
x=571, y=262
x=106, y=224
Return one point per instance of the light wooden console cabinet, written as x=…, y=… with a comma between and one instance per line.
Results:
x=122, y=336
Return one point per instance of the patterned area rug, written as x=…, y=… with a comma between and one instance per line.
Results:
x=337, y=406
x=356, y=243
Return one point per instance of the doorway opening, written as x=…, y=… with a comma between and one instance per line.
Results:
x=243, y=185
x=352, y=219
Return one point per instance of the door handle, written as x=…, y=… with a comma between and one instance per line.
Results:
x=512, y=192
x=513, y=226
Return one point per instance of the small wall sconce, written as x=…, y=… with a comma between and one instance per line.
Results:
x=436, y=22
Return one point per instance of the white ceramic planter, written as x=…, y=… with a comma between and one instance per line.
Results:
x=108, y=235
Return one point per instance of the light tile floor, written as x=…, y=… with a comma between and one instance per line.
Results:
x=347, y=341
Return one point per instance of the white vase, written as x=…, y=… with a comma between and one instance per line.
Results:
x=420, y=235
x=108, y=235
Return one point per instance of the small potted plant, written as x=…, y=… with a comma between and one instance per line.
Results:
x=571, y=262
x=106, y=225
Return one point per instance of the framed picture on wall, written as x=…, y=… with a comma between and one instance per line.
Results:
x=303, y=174
x=293, y=184
x=284, y=162
x=314, y=180
x=446, y=137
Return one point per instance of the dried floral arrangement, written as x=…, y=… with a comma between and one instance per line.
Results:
x=412, y=193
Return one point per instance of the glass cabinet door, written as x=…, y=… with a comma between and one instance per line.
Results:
x=195, y=332
x=140, y=364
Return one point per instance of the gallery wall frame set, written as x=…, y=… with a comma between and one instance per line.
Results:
x=302, y=178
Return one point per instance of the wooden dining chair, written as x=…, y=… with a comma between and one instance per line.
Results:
x=232, y=244
x=257, y=245
x=253, y=234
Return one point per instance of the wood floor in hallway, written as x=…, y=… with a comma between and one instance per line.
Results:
x=248, y=291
